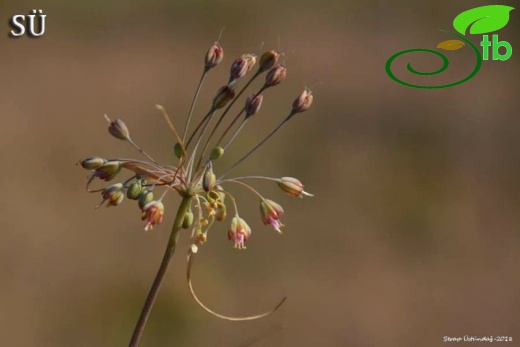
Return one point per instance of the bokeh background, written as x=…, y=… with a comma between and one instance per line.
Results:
x=413, y=233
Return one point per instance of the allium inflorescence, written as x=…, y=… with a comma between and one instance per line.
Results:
x=206, y=199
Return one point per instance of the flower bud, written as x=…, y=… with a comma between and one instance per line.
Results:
x=224, y=95
x=271, y=212
x=216, y=153
x=275, y=76
x=251, y=60
x=134, y=190
x=153, y=213
x=253, y=104
x=92, y=163
x=268, y=60
x=292, y=186
x=108, y=170
x=239, y=232
x=178, y=150
x=144, y=198
x=303, y=102
x=113, y=194
x=209, y=179
x=118, y=129
x=238, y=69
x=187, y=222
x=214, y=56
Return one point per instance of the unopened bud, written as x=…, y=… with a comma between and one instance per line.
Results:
x=253, y=104
x=92, y=163
x=108, y=170
x=214, y=56
x=268, y=60
x=134, y=190
x=145, y=197
x=224, y=95
x=292, y=186
x=216, y=153
x=238, y=69
x=209, y=180
x=303, y=102
x=187, y=222
x=178, y=150
x=118, y=129
x=275, y=76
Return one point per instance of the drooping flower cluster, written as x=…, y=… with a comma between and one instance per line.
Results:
x=204, y=193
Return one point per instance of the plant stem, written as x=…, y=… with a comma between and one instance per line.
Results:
x=161, y=274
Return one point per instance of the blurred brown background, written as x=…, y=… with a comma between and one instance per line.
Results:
x=413, y=234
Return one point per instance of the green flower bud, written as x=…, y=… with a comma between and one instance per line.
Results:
x=92, y=163
x=134, y=190
x=108, y=170
x=188, y=220
x=216, y=153
x=178, y=150
x=145, y=197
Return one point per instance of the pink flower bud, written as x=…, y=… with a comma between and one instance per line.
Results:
x=238, y=69
x=253, y=104
x=239, y=232
x=214, y=56
x=271, y=212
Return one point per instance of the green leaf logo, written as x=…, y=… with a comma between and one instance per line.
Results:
x=482, y=20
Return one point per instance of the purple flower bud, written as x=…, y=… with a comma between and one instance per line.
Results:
x=238, y=69
x=268, y=60
x=292, y=186
x=224, y=95
x=271, y=212
x=153, y=213
x=253, y=104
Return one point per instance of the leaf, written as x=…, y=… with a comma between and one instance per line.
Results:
x=482, y=20
x=451, y=45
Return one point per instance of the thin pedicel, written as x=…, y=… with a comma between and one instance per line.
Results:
x=203, y=194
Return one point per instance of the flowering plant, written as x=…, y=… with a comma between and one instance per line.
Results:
x=203, y=192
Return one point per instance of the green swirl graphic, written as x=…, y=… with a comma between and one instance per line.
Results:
x=445, y=64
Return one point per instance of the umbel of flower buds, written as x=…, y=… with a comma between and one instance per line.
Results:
x=224, y=95
x=275, y=76
x=214, y=56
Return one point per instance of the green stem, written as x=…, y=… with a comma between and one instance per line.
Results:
x=161, y=274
